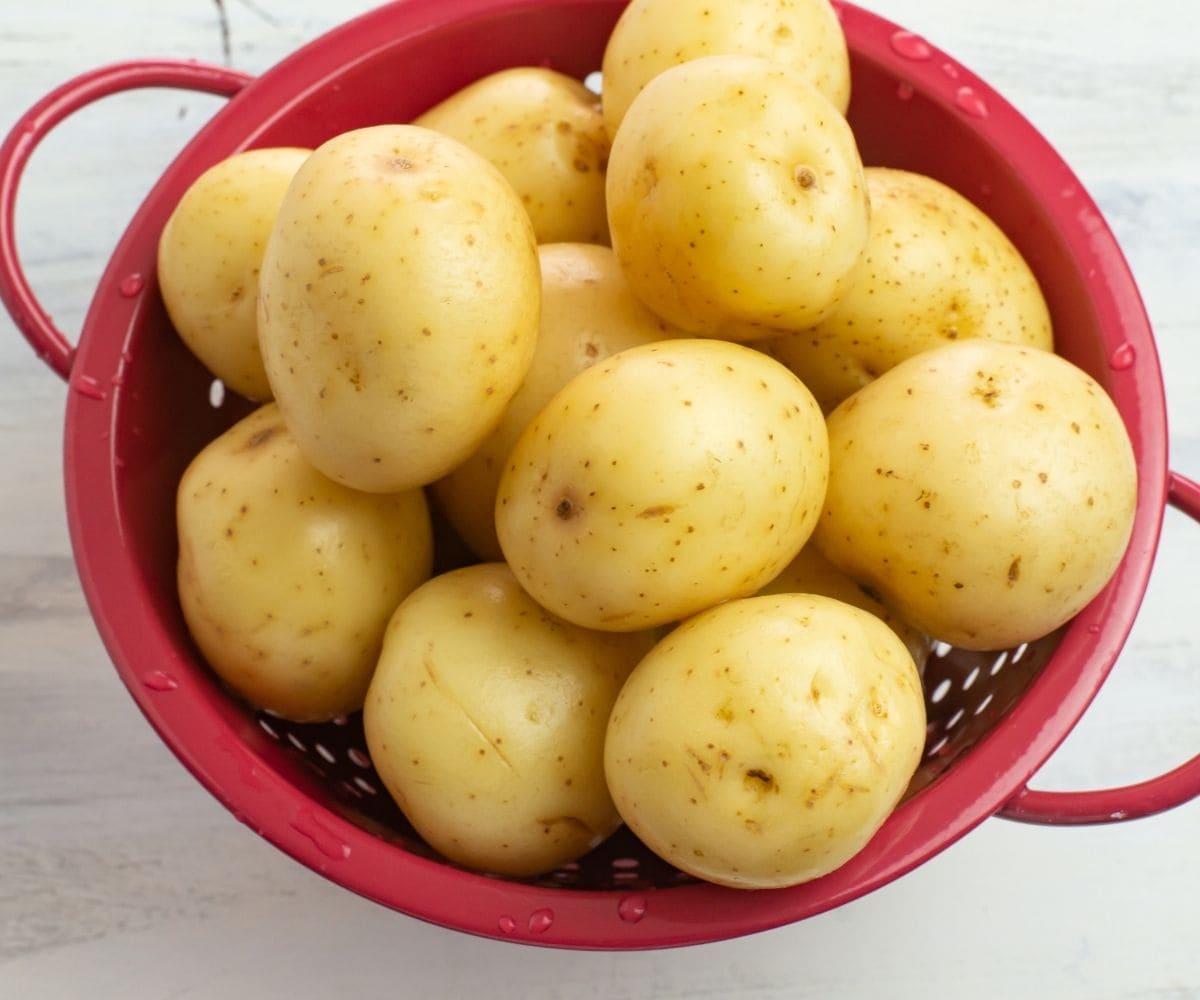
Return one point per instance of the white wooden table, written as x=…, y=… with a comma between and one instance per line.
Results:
x=121, y=878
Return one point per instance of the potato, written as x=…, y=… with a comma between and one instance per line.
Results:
x=985, y=490
x=486, y=720
x=209, y=255
x=736, y=199
x=398, y=305
x=588, y=313
x=811, y=573
x=763, y=742
x=936, y=269
x=287, y=579
x=545, y=133
x=653, y=35
x=662, y=481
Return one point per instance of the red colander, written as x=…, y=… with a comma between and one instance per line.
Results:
x=138, y=408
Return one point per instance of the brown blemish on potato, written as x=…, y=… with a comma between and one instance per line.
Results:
x=1014, y=571
x=261, y=437
x=659, y=510
x=986, y=389
x=760, y=782
x=573, y=822
x=804, y=176
x=566, y=509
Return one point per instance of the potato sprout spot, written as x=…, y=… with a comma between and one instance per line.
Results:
x=804, y=176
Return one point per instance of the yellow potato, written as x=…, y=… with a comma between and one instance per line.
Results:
x=486, y=720
x=762, y=743
x=209, y=257
x=398, y=305
x=588, y=313
x=545, y=133
x=736, y=199
x=936, y=269
x=662, y=481
x=287, y=579
x=653, y=35
x=811, y=573
x=986, y=491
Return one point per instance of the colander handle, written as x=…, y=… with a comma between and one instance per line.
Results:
x=50, y=343
x=1112, y=805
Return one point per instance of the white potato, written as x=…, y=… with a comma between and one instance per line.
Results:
x=209, y=255
x=398, y=305
x=763, y=742
x=287, y=579
x=485, y=720
x=662, y=481
x=936, y=269
x=544, y=131
x=736, y=199
x=588, y=313
x=653, y=35
x=811, y=573
x=985, y=490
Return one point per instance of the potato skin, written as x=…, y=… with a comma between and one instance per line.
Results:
x=985, y=490
x=653, y=35
x=398, y=305
x=763, y=742
x=936, y=269
x=486, y=718
x=287, y=579
x=736, y=199
x=209, y=256
x=661, y=481
x=588, y=314
x=811, y=573
x=544, y=131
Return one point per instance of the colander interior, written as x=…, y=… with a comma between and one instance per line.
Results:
x=163, y=412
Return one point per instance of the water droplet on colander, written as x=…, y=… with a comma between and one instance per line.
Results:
x=249, y=772
x=1122, y=359
x=1094, y=628
x=325, y=840
x=969, y=102
x=506, y=924
x=910, y=46
x=131, y=284
x=905, y=90
x=87, y=386
x=950, y=70
x=631, y=909
x=157, y=680
x=540, y=921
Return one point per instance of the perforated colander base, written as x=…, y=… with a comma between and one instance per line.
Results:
x=966, y=695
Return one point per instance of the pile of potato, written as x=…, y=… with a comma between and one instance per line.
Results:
x=735, y=427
